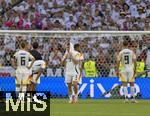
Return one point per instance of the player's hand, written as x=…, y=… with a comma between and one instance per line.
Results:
x=28, y=67
x=117, y=73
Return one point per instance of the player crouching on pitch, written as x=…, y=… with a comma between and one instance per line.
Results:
x=37, y=68
x=127, y=60
x=20, y=63
x=73, y=69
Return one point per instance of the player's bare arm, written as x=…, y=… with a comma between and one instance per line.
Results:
x=118, y=64
x=64, y=59
x=66, y=54
x=32, y=61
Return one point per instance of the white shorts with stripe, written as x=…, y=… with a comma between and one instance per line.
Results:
x=69, y=78
x=22, y=75
x=127, y=75
x=38, y=65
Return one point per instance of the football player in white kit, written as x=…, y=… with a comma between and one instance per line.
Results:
x=127, y=60
x=38, y=66
x=20, y=63
x=73, y=69
x=36, y=71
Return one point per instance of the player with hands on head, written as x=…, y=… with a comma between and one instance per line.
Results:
x=73, y=68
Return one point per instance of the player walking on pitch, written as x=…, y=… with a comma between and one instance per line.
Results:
x=127, y=60
x=20, y=63
x=73, y=69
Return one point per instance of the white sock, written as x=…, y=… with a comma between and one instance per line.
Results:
x=18, y=89
x=70, y=97
x=24, y=89
x=76, y=95
x=125, y=92
x=132, y=92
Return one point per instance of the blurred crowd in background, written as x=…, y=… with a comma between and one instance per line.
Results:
x=102, y=50
x=75, y=14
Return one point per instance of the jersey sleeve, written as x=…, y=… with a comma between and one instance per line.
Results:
x=15, y=55
x=30, y=56
x=78, y=56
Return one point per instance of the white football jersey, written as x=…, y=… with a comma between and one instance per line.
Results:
x=127, y=57
x=22, y=58
x=71, y=67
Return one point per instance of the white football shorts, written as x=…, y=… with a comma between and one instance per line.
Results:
x=127, y=75
x=22, y=76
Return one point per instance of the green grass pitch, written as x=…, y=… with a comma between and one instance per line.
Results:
x=61, y=107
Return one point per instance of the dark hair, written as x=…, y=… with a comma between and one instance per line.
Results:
x=23, y=44
x=125, y=43
x=76, y=46
x=35, y=45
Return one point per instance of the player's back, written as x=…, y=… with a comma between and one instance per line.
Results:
x=22, y=57
x=127, y=58
x=36, y=54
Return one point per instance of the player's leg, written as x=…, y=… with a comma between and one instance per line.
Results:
x=68, y=81
x=125, y=89
x=37, y=70
x=29, y=87
x=70, y=92
x=18, y=89
x=25, y=82
x=18, y=83
x=132, y=92
x=23, y=92
x=124, y=80
x=75, y=88
x=132, y=89
x=32, y=86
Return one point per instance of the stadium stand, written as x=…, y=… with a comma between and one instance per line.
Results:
x=75, y=14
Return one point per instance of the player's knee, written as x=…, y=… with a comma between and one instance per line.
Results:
x=124, y=84
x=132, y=84
x=69, y=84
x=75, y=83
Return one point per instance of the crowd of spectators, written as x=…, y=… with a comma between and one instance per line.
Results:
x=75, y=14
x=103, y=50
